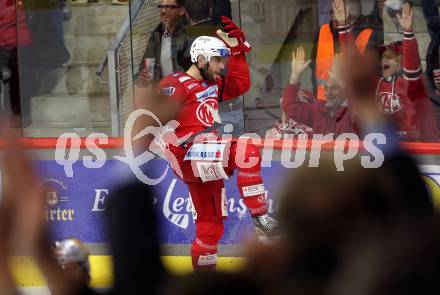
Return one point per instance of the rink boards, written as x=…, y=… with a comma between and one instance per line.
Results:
x=75, y=208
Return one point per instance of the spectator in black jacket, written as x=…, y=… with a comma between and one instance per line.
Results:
x=166, y=44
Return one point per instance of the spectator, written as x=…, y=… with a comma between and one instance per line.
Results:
x=401, y=258
x=132, y=230
x=166, y=44
x=134, y=243
x=46, y=24
x=22, y=216
x=173, y=56
x=40, y=62
x=221, y=8
x=329, y=116
x=14, y=33
x=400, y=92
x=322, y=212
x=368, y=35
x=432, y=18
x=199, y=14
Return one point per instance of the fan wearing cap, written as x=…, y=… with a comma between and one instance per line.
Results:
x=201, y=159
x=400, y=92
x=328, y=116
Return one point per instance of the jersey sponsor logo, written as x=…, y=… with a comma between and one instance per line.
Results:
x=207, y=112
x=169, y=91
x=209, y=171
x=191, y=86
x=207, y=93
x=184, y=78
x=207, y=152
x=253, y=190
x=390, y=103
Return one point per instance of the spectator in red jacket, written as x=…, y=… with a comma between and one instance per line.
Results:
x=401, y=92
x=14, y=33
x=329, y=116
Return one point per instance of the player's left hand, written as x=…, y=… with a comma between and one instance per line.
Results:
x=406, y=19
x=239, y=45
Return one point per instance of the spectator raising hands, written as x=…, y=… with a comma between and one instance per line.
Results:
x=299, y=65
x=341, y=12
x=406, y=18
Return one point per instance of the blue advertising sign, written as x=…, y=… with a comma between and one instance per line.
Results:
x=75, y=205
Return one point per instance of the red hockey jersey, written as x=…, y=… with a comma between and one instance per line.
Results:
x=199, y=99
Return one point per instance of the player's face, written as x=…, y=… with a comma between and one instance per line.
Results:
x=391, y=63
x=170, y=12
x=216, y=66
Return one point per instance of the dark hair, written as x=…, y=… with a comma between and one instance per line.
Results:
x=180, y=2
x=198, y=10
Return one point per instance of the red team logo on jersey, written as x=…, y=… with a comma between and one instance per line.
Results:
x=390, y=103
x=206, y=112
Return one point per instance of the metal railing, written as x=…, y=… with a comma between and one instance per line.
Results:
x=123, y=58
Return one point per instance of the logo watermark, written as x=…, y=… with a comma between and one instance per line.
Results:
x=214, y=149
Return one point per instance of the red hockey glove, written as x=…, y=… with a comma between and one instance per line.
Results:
x=234, y=37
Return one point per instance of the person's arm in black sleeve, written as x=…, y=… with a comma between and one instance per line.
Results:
x=376, y=39
x=432, y=17
x=133, y=233
x=313, y=63
x=221, y=8
x=150, y=51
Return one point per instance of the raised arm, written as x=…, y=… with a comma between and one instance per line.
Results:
x=290, y=104
x=237, y=81
x=411, y=64
x=346, y=37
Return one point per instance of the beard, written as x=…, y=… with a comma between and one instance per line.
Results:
x=208, y=75
x=211, y=76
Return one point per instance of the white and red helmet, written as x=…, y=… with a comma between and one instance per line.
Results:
x=208, y=47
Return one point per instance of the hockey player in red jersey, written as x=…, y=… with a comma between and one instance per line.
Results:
x=205, y=160
x=401, y=93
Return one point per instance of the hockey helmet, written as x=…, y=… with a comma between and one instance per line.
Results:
x=72, y=251
x=208, y=47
